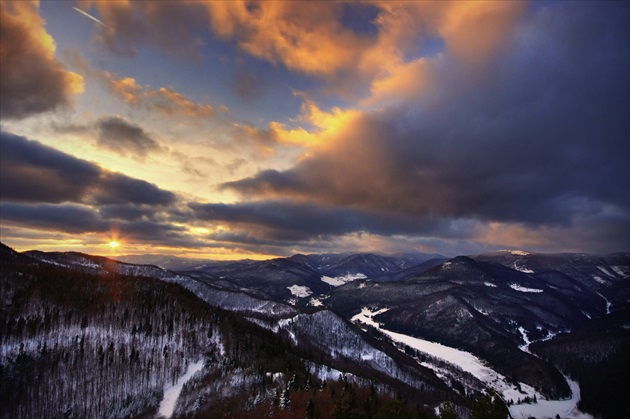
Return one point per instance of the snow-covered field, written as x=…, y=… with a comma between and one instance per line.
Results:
x=478, y=368
x=342, y=279
x=300, y=291
x=171, y=394
x=521, y=288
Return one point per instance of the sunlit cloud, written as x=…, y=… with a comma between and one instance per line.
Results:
x=446, y=126
x=32, y=80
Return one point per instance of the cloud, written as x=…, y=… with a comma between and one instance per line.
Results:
x=172, y=26
x=74, y=219
x=295, y=221
x=165, y=100
x=79, y=219
x=350, y=45
x=539, y=139
x=32, y=81
x=32, y=172
x=123, y=137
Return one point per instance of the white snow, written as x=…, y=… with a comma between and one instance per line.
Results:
x=475, y=366
x=603, y=269
x=315, y=302
x=618, y=270
x=516, y=252
x=342, y=279
x=300, y=291
x=599, y=280
x=608, y=304
x=482, y=311
x=489, y=284
x=365, y=316
x=521, y=288
x=550, y=408
x=167, y=405
x=523, y=333
x=522, y=269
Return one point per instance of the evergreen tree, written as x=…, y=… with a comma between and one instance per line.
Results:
x=448, y=412
x=489, y=406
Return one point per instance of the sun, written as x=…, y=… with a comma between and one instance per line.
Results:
x=113, y=244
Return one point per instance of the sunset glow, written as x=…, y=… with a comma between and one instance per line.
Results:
x=224, y=130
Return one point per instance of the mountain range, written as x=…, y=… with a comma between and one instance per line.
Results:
x=548, y=334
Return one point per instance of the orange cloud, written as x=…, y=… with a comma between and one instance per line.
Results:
x=305, y=37
x=474, y=29
x=163, y=100
x=32, y=80
x=315, y=38
x=127, y=89
x=170, y=101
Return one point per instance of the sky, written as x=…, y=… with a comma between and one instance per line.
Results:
x=229, y=130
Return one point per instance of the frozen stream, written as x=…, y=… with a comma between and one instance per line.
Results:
x=167, y=405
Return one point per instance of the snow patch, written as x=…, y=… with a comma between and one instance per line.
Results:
x=366, y=315
x=599, y=280
x=618, y=270
x=171, y=394
x=315, y=302
x=342, y=279
x=523, y=332
x=300, y=291
x=516, y=252
x=521, y=288
x=522, y=269
x=608, y=303
x=603, y=269
x=489, y=284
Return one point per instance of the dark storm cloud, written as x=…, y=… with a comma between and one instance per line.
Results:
x=73, y=219
x=285, y=220
x=32, y=80
x=125, y=212
x=33, y=172
x=124, y=137
x=541, y=138
x=118, y=188
x=79, y=219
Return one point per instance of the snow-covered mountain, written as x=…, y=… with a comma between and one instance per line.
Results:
x=512, y=321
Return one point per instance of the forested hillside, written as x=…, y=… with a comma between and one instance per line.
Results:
x=77, y=345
